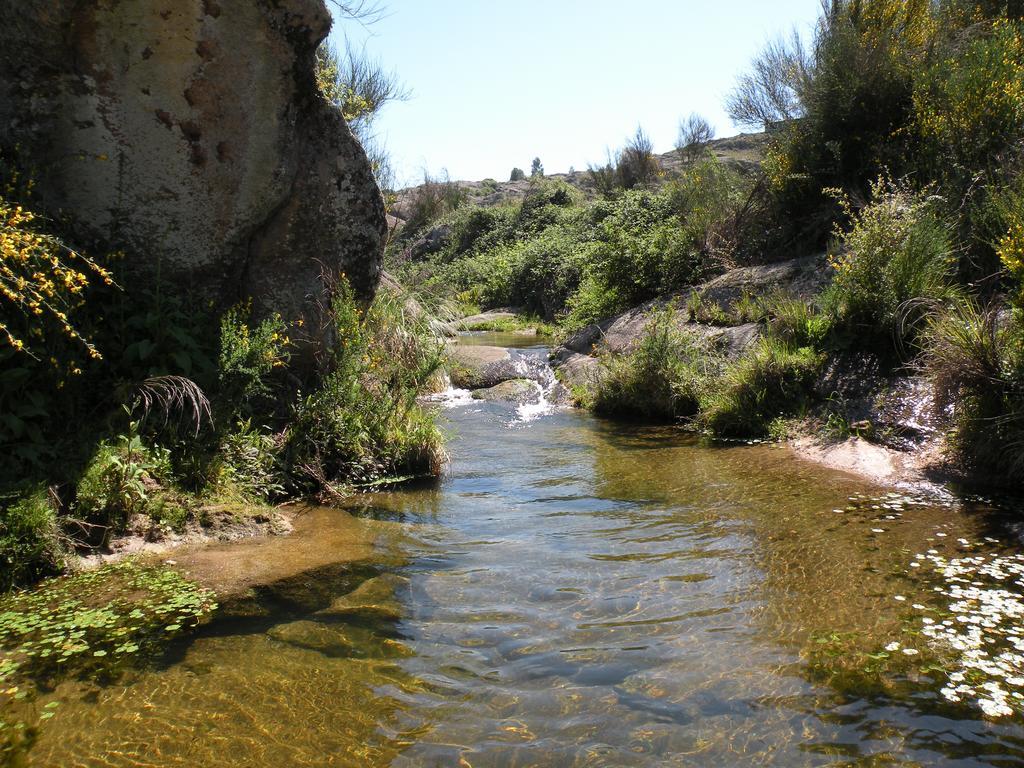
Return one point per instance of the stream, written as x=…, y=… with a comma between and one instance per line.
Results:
x=574, y=592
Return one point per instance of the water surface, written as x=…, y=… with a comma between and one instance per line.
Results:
x=574, y=593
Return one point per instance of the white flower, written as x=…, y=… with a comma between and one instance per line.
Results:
x=892, y=647
x=910, y=651
x=994, y=708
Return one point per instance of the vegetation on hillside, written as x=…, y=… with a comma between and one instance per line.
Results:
x=894, y=141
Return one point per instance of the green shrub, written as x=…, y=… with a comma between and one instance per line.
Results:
x=252, y=358
x=477, y=230
x=895, y=261
x=975, y=361
x=773, y=379
x=658, y=380
x=548, y=270
x=113, y=486
x=545, y=204
x=643, y=251
x=251, y=463
x=31, y=544
x=363, y=423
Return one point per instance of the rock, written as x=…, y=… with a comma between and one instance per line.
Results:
x=618, y=335
x=480, y=367
x=579, y=372
x=433, y=241
x=374, y=600
x=313, y=636
x=192, y=136
x=518, y=391
x=802, y=278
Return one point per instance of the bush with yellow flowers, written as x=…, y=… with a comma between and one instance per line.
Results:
x=969, y=105
x=42, y=281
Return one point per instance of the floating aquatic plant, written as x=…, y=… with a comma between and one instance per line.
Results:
x=90, y=621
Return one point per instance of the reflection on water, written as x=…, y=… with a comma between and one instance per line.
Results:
x=572, y=594
x=503, y=339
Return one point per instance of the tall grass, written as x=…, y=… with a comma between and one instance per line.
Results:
x=773, y=379
x=659, y=380
x=363, y=423
x=974, y=358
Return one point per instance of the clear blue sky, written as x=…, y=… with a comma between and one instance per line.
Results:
x=496, y=82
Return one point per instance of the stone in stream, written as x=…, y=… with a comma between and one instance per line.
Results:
x=480, y=367
x=518, y=391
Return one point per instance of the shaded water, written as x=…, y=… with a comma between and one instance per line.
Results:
x=574, y=593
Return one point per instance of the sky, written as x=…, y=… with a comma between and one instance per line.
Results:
x=495, y=83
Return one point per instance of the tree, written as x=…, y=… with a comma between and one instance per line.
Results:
x=518, y=174
x=356, y=85
x=636, y=161
x=772, y=91
x=536, y=168
x=694, y=134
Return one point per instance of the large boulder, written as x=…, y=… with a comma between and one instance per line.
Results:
x=517, y=391
x=479, y=366
x=191, y=135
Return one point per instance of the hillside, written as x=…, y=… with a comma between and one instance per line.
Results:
x=743, y=152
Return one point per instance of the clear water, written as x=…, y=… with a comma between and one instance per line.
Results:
x=574, y=593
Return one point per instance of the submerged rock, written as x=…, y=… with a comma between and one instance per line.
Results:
x=374, y=599
x=313, y=636
x=341, y=639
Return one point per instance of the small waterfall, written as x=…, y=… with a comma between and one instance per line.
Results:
x=529, y=364
x=449, y=396
x=534, y=367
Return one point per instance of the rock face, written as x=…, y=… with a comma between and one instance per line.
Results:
x=191, y=134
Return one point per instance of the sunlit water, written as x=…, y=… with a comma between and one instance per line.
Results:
x=574, y=593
